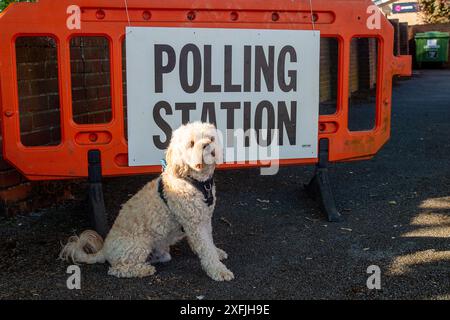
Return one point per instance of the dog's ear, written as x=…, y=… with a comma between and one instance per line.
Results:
x=219, y=146
x=175, y=163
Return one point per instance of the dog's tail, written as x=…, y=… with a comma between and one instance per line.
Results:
x=87, y=248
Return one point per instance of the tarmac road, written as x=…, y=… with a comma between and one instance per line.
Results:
x=396, y=208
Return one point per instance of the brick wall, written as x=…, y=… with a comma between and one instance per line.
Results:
x=401, y=38
x=14, y=189
x=404, y=40
x=373, y=63
x=354, y=67
x=39, y=108
x=396, y=24
x=328, y=75
x=37, y=80
x=363, y=66
x=37, y=83
x=91, y=80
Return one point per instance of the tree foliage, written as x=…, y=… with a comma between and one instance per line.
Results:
x=5, y=3
x=435, y=11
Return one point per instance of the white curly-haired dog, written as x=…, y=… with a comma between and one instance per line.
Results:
x=177, y=204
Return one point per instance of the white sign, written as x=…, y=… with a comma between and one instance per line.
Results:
x=432, y=44
x=240, y=79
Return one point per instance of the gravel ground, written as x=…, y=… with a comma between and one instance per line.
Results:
x=396, y=208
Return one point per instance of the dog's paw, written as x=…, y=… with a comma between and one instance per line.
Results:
x=158, y=256
x=221, y=274
x=145, y=270
x=222, y=254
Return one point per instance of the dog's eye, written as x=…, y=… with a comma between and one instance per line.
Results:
x=192, y=144
x=212, y=139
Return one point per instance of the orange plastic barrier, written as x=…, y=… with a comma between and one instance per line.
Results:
x=342, y=19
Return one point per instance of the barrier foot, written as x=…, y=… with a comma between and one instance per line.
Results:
x=319, y=188
x=97, y=209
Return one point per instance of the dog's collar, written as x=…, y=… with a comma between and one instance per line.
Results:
x=163, y=164
x=161, y=190
x=205, y=187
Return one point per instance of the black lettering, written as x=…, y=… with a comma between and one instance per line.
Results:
x=185, y=110
x=230, y=107
x=264, y=105
x=264, y=66
x=286, y=122
x=162, y=124
x=247, y=68
x=247, y=122
x=209, y=113
x=208, y=86
x=292, y=74
x=228, y=67
x=197, y=62
x=160, y=69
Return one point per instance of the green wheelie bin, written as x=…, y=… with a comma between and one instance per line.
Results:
x=432, y=47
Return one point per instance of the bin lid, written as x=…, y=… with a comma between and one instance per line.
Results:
x=432, y=35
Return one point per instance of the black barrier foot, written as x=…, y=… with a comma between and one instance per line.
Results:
x=97, y=209
x=319, y=188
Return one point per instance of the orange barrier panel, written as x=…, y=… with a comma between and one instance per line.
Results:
x=342, y=19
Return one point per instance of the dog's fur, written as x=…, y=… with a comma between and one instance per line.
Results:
x=146, y=226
